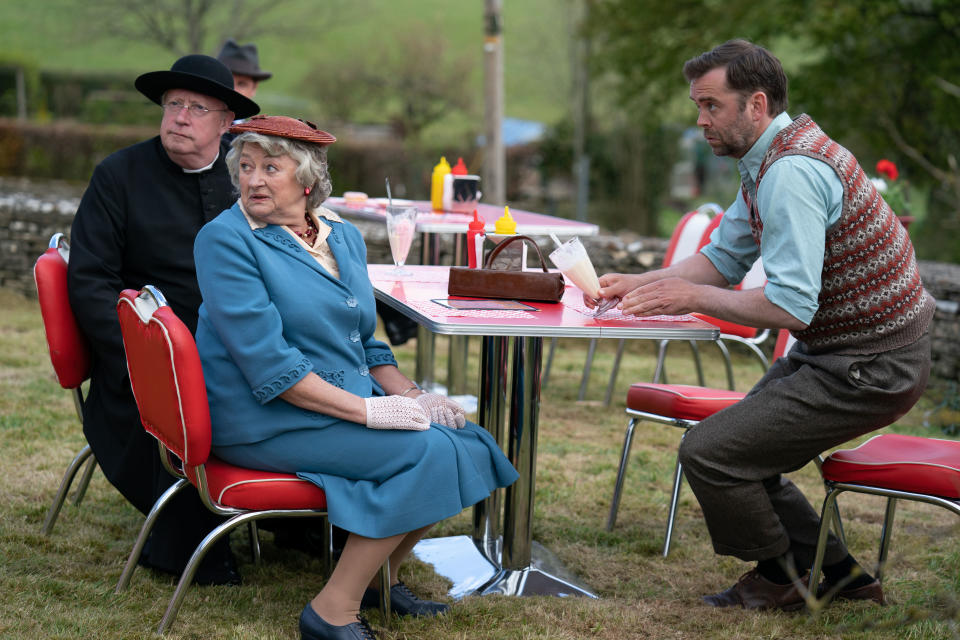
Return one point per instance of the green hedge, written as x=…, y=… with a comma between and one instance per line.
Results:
x=68, y=150
x=63, y=150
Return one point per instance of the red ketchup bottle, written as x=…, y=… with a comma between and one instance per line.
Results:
x=475, y=238
x=458, y=169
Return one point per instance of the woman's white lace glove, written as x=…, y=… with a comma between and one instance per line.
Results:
x=396, y=412
x=442, y=410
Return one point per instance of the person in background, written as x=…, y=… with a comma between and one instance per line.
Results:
x=136, y=225
x=297, y=382
x=842, y=277
x=244, y=64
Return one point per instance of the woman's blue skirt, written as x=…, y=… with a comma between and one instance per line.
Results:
x=381, y=483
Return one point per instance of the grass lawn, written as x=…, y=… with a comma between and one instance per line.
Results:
x=61, y=586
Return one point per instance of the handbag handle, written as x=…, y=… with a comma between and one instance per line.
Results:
x=500, y=247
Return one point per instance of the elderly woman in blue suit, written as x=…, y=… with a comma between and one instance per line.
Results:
x=298, y=383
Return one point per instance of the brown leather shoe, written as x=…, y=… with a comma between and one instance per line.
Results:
x=872, y=591
x=753, y=591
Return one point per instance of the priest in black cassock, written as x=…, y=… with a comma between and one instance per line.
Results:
x=135, y=226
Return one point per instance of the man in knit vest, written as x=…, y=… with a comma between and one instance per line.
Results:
x=842, y=277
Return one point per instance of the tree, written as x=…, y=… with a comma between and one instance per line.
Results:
x=642, y=44
x=893, y=93
x=410, y=82
x=879, y=75
x=196, y=26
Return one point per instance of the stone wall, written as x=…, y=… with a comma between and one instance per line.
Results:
x=943, y=282
x=31, y=213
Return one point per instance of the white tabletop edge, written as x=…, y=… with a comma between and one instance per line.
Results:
x=693, y=333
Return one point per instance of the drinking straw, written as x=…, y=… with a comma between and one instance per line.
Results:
x=389, y=197
x=556, y=240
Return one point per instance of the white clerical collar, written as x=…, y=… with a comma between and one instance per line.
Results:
x=202, y=169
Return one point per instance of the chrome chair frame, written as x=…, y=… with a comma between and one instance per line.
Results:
x=637, y=416
x=830, y=513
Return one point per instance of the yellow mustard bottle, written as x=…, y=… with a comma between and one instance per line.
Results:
x=505, y=225
x=436, y=183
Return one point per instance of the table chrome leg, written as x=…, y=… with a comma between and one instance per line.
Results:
x=426, y=340
x=526, y=568
x=490, y=414
x=457, y=360
x=457, y=366
x=426, y=345
x=522, y=451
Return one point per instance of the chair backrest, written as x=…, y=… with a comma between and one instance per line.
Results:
x=785, y=341
x=755, y=278
x=165, y=374
x=708, y=230
x=686, y=237
x=69, y=351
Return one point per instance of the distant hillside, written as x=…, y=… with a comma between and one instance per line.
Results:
x=53, y=35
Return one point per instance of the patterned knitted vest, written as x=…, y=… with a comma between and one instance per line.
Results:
x=871, y=297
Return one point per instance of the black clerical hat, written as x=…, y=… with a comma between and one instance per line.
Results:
x=202, y=74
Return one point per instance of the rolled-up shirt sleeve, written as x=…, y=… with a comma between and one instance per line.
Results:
x=732, y=249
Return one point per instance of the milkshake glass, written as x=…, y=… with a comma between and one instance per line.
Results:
x=572, y=259
x=401, y=226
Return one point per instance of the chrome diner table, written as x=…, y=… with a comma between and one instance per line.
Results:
x=432, y=226
x=500, y=556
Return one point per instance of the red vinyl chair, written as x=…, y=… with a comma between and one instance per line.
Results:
x=677, y=405
x=167, y=381
x=70, y=356
x=897, y=467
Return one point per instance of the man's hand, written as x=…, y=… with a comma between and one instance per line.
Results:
x=670, y=297
x=616, y=285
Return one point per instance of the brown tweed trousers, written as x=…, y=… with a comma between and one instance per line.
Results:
x=804, y=405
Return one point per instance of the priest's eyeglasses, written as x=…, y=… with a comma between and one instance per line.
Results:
x=194, y=109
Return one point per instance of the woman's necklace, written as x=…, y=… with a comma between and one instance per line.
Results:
x=310, y=235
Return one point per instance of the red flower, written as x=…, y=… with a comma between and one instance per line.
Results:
x=887, y=168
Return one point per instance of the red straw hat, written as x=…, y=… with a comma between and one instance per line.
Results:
x=285, y=127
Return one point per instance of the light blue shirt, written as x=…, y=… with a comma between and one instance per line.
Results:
x=799, y=199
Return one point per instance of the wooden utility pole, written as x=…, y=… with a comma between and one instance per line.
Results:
x=581, y=106
x=495, y=160
x=21, y=95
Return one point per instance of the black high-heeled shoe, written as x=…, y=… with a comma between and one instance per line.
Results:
x=404, y=602
x=313, y=627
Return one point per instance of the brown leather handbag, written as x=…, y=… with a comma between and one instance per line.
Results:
x=487, y=282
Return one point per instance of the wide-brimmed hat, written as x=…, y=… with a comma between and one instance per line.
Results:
x=285, y=127
x=242, y=60
x=202, y=74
